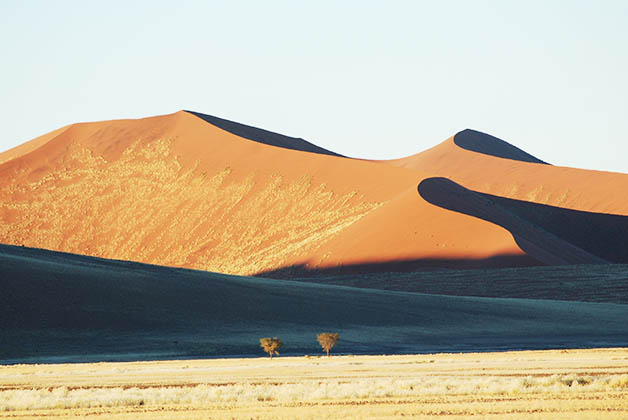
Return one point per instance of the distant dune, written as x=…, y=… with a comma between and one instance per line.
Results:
x=486, y=164
x=196, y=191
x=59, y=307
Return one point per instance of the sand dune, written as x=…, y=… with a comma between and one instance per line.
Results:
x=63, y=307
x=196, y=191
x=515, y=174
x=175, y=190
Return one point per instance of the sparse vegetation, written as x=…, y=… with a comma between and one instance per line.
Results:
x=307, y=390
x=327, y=341
x=583, y=384
x=271, y=345
x=579, y=385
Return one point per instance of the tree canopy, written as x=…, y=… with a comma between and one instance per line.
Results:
x=271, y=345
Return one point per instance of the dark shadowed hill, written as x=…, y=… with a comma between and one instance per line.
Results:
x=58, y=307
x=583, y=282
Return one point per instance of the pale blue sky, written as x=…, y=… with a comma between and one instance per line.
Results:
x=367, y=79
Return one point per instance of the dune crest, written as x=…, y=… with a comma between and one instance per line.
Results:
x=518, y=178
x=479, y=142
x=263, y=136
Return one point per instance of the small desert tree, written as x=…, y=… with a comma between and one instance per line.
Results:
x=271, y=345
x=327, y=341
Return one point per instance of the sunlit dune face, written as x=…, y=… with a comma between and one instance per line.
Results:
x=145, y=206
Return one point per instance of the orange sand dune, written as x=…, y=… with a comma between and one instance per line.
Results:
x=520, y=176
x=195, y=191
x=176, y=190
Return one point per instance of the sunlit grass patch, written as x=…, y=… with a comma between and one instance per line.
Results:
x=246, y=393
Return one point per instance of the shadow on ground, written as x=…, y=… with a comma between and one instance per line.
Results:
x=400, y=266
x=58, y=307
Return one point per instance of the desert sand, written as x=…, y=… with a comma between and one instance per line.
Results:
x=195, y=191
x=562, y=384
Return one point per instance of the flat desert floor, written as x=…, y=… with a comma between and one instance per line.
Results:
x=556, y=384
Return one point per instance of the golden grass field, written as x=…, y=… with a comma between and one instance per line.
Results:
x=558, y=384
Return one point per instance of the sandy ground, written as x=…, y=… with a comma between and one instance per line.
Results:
x=561, y=384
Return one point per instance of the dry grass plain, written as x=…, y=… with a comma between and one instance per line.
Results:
x=557, y=384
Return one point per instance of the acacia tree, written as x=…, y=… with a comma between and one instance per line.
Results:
x=271, y=345
x=327, y=341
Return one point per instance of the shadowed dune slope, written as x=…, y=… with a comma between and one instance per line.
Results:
x=605, y=235
x=585, y=283
x=532, y=238
x=62, y=307
x=478, y=142
x=263, y=136
x=175, y=190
